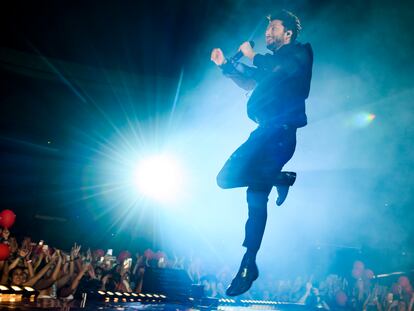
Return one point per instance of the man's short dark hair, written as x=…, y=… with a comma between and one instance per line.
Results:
x=289, y=20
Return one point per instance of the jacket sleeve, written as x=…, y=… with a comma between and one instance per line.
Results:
x=244, y=76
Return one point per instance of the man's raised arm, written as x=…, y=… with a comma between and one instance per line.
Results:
x=243, y=75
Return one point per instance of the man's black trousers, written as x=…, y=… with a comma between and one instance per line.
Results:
x=255, y=165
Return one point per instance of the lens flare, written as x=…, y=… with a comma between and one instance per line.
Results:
x=362, y=119
x=370, y=117
x=159, y=177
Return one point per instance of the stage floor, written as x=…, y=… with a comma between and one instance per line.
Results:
x=75, y=305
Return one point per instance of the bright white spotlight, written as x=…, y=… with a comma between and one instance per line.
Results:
x=159, y=177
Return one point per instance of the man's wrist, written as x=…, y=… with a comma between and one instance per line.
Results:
x=227, y=66
x=251, y=56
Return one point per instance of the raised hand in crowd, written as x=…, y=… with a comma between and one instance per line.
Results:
x=411, y=303
x=74, y=253
x=5, y=233
x=308, y=288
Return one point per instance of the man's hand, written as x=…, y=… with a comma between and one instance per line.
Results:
x=23, y=253
x=247, y=50
x=5, y=233
x=315, y=291
x=74, y=253
x=217, y=57
x=86, y=266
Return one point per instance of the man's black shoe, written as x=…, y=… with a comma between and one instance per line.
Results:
x=282, y=192
x=244, y=279
x=283, y=181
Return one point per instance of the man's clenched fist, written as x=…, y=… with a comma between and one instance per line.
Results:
x=247, y=50
x=217, y=57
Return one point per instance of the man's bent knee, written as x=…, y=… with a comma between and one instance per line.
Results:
x=258, y=197
x=221, y=182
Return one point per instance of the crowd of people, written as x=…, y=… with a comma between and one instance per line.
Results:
x=360, y=290
x=62, y=275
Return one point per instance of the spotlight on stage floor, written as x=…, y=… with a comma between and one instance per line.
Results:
x=159, y=177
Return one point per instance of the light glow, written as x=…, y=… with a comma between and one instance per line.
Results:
x=159, y=177
x=362, y=119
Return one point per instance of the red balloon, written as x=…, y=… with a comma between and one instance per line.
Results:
x=341, y=298
x=149, y=254
x=7, y=218
x=99, y=253
x=4, y=251
x=403, y=281
x=359, y=265
x=158, y=255
x=123, y=255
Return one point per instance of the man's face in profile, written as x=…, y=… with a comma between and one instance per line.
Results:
x=275, y=35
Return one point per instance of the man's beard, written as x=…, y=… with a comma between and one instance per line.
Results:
x=276, y=43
